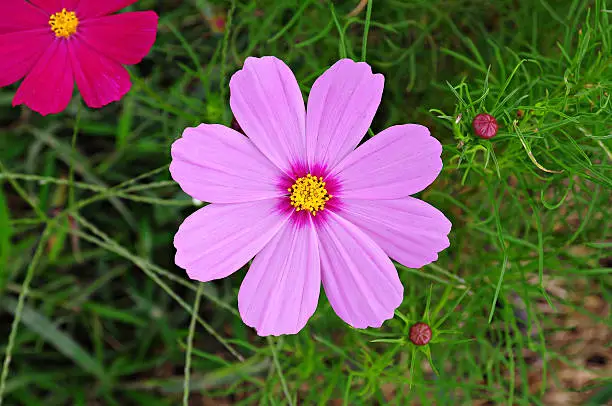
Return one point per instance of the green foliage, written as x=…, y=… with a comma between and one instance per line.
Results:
x=94, y=308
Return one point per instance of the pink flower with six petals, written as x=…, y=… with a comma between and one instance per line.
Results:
x=53, y=43
x=298, y=195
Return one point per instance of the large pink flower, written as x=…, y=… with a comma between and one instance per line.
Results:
x=298, y=194
x=55, y=42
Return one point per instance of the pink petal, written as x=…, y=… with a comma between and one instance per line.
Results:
x=71, y=5
x=400, y=161
x=19, y=51
x=281, y=289
x=23, y=17
x=48, y=87
x=219, y=239
x=216, y=164
x=55, y=6
x=360, y=281
x=268, y=104
x=126, y=38
x=97, y=8
x=409, y=230
x=50, y=6
x=100, y=79
x=341, y=106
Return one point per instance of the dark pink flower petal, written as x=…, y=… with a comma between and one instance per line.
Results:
x=216, y=164
x=48, y=87
x=100, y=79
x=400, y=161
x=268, y=104
x=341, y=106
x=409, y=230
x=125, y=38
x=281, y=289
x=97, y=8
x=219, y=239
x=19, y=51
x=55, y=6
x=360, y=281
x=50, y=6
x=23, y=17
x=71, y=5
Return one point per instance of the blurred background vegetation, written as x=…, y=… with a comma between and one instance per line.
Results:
x=93, y=310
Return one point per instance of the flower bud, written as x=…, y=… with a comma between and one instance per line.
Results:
x=420, y=334
x=485, y=126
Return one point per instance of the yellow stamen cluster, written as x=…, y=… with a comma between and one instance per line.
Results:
x=64, y=23
x=309, y=193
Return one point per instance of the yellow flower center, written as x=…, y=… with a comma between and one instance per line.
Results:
x=64, y=23
x=309, y=193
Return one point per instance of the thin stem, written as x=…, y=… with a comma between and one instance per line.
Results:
x=19, y=310
x=192, y=324
x=366, y=29
x=280, y=371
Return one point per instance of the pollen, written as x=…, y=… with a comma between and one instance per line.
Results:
x=64, y=23
x=309, y=193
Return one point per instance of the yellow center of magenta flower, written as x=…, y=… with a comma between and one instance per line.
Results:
x=309, y=193
x=64, y=23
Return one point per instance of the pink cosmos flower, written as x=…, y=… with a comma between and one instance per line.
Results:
x=54, y=43
x=297, y=194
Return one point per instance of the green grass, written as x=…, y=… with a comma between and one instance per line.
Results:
x=93, y=308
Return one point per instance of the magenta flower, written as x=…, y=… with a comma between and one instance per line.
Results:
x=54, y=43
x=298, y=194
